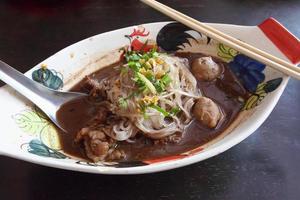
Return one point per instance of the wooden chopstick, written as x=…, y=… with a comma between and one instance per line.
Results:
x=238, y=45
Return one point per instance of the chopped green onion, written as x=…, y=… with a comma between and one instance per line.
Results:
x=146, y=57
x=147, y=83
x=150, y=77
x=161, y=110
x=134, y=57
x=135, y=66
x=174, y=111
x=142, y=89
x=123, y=101
x=154, y=54
x=159, y=86
x=166, y=80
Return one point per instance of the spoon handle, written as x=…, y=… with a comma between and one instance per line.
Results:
x=33, y=91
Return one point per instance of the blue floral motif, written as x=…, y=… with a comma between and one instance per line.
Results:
x=248, y=71
x=49, y=78
x=37, y=147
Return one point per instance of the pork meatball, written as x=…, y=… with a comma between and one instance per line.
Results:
x=205, y=69
x=207, y=112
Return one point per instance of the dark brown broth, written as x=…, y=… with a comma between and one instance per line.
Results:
x=144, y=148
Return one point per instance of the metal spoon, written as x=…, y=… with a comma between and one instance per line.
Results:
x=49, y=101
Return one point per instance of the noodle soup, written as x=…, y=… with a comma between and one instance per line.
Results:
x=151, y=105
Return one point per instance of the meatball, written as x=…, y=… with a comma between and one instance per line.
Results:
x=207, y=112
x=205, y=69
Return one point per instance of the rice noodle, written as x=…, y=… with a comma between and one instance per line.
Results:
x=181, y=92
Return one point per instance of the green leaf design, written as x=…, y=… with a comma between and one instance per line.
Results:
x=226, y=53
x=30, y=122
x=35, y=123
x=37, y=147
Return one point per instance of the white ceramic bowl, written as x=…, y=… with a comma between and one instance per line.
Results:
x=29, y=136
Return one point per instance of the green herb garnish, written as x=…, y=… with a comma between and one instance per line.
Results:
x=135, y=66
x=161, y=110
x=166, y=80
x=161, y=84
x=174, y=111
x=146, y=82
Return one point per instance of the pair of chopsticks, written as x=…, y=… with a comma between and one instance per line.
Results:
x=251, y=51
